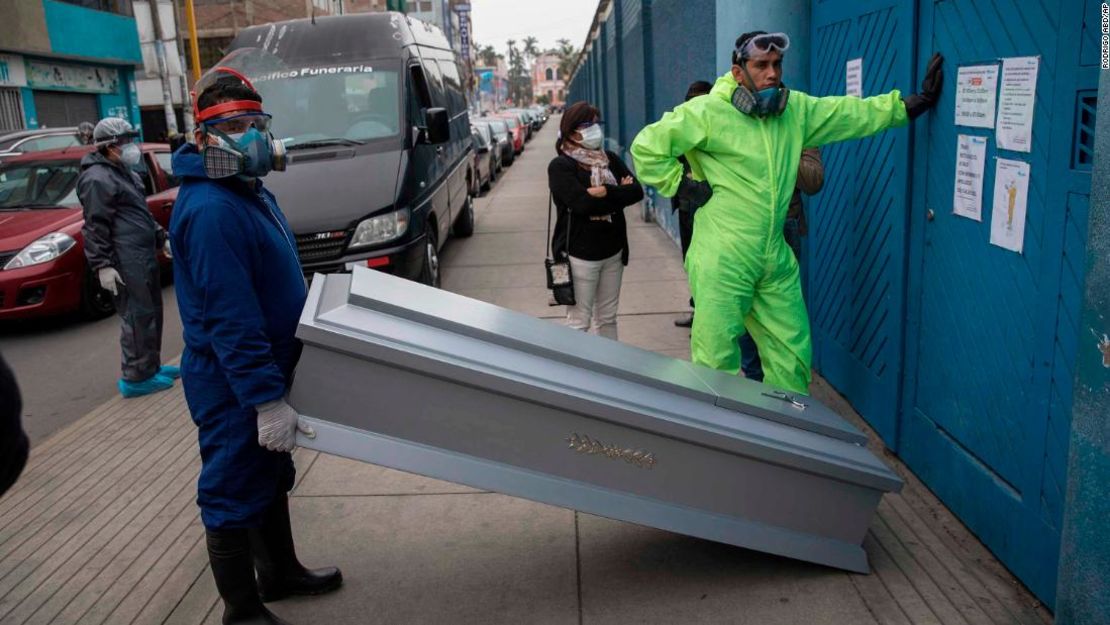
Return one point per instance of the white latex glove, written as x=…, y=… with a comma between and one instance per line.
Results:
x=108, y=278
x=278, y=423
x=167, y=250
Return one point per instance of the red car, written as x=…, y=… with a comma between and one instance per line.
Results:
x=517, y=129
x=42, y=256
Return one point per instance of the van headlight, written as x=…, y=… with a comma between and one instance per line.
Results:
x=380, y=229
x=43, y=250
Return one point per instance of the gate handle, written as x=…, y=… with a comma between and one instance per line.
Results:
x=930, y=214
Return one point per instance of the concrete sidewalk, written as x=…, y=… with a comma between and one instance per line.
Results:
x=103, y=528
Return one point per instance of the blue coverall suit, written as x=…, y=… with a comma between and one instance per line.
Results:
x=240, y=291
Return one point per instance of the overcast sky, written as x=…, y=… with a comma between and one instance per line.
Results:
x=496, y=21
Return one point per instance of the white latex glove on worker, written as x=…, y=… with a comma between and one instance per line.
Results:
x=109, y=278
x=278, y=424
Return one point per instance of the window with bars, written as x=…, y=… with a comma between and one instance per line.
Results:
x=1083, y=148
x=211, y=50
x=11, y=110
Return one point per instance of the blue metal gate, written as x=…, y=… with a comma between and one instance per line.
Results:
x=856, y=250
x=993, y=333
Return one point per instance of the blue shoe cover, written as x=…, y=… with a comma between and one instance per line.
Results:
x=170, y=371
x=150, y=385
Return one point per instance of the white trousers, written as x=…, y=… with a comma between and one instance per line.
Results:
x=597, y=291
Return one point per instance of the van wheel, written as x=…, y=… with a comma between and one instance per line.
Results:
x=96, y=303
x=464, y=225
x=430, y=273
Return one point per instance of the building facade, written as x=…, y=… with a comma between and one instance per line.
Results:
x=547, y=82
x=62, y=63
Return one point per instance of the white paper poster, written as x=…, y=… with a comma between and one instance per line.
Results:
x=976, y=94
x=971, y=155
x=1015, y=103
x=854, y=78
x=1011, y=192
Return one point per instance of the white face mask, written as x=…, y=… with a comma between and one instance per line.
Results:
x=130, y=154
x=591, y=137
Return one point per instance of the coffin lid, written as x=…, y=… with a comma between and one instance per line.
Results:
x=470, y=317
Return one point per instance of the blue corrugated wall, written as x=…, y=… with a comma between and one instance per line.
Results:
x=960, y=353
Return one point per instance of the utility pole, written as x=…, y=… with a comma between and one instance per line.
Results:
x=160, y=52
x=186, y=101
x=194, y=47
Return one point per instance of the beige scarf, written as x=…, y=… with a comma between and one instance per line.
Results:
x=597, y=161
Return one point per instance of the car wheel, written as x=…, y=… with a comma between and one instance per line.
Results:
x=430, y=273
x=96, y=303
x=464, y=224
x=489, y=181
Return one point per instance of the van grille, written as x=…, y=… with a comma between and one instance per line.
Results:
x=321, y=246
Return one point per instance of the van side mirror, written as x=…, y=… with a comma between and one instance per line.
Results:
x=438, y=129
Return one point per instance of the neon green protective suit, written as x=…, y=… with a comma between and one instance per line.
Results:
x=742, y=274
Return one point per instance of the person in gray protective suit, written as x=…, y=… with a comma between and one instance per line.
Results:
x=121, y=243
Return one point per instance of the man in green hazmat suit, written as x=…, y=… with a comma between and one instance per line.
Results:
x=745, y=138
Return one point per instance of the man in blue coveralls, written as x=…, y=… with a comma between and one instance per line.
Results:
x=240, y=291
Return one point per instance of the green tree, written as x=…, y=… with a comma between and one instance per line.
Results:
x=568, y=56
x=488, y=55
x=520, y=83
x=531, y=52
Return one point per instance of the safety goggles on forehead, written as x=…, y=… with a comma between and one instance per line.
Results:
x=762, y=44
x=240, y=122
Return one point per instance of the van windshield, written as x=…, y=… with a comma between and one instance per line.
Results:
x=318, y=105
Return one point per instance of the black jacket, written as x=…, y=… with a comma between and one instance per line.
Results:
x=597, y=226
x=116, y=214
x=13, y=442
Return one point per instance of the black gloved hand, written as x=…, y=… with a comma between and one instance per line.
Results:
x=696, y=192
x=931, y=87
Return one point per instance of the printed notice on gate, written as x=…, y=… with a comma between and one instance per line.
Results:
x=853, y=78
x=1015, y=104
x=971, y=156
x=1011, y=192
x=976, y=95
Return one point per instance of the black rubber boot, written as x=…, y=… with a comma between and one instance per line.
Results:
x=280, y=573
x=229, y=552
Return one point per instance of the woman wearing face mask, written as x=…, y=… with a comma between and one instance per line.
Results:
x=590, y=187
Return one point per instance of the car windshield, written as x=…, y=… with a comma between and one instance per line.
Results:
x=43, y=184
x=329, y=102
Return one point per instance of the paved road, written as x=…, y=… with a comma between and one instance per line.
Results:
x=67, y=366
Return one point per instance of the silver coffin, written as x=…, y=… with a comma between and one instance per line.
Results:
x=429, y=382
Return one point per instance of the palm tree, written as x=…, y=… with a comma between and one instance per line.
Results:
x=568, y=56
x=488, y=55
x=530, y=49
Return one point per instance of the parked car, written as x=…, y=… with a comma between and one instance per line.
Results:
x=485, y=160
x=500, y=129
x=530, y=117
x=372, y=109
x=42, y=256
x=516, y=128
x=499, y=134
x=36, y=140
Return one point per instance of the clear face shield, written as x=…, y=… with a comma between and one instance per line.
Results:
x=236, y=133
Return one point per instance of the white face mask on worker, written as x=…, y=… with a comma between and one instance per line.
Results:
x=591, y=137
